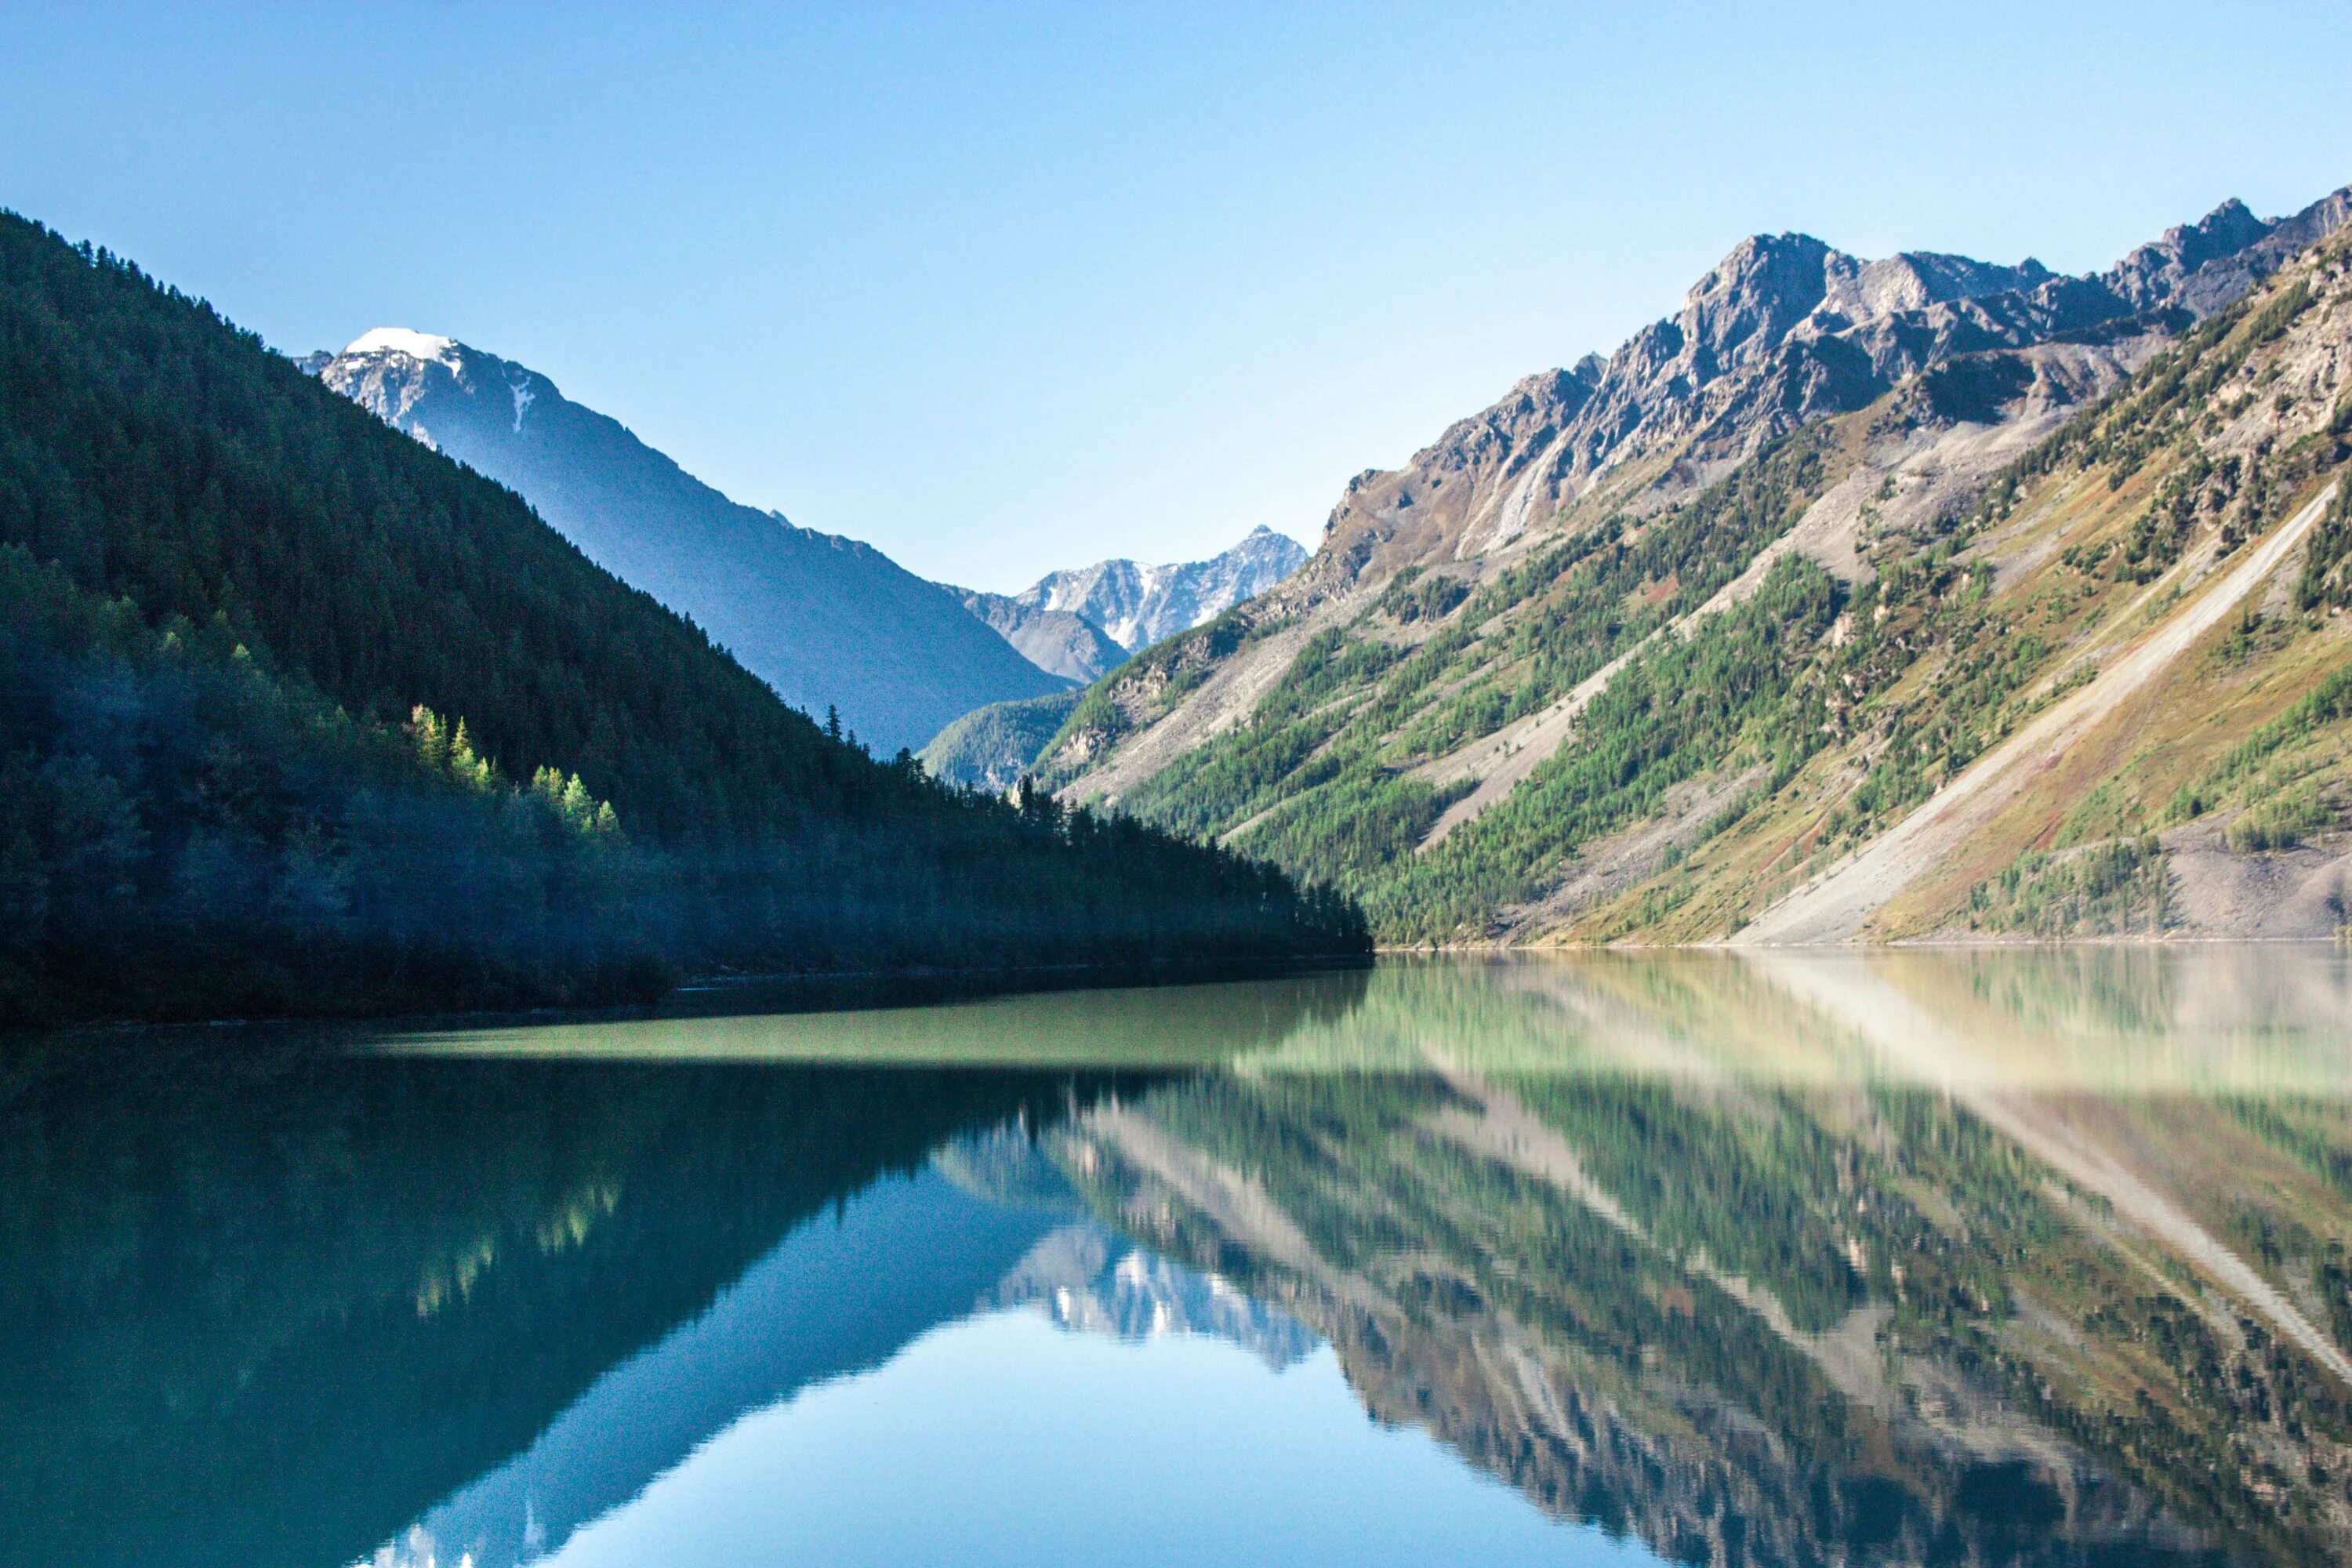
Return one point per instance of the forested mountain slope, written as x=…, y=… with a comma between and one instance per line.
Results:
x=1711, y=590
x=267, y=668
x=991, y=748
x=827, y=621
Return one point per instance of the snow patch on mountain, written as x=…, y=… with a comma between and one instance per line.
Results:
x=404, y=341
x=1081, y=623
x=1138, y=603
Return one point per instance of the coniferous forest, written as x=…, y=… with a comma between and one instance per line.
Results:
x=296, y=715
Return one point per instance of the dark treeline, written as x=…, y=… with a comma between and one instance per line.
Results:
x=241, y=621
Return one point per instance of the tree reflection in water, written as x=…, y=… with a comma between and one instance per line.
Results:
x=2006, y=1256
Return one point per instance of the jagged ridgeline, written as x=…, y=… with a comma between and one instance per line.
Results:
x=296, y=715
x=1856, y=600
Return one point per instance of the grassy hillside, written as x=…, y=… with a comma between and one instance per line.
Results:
x=248, y=628
x=1676, y=704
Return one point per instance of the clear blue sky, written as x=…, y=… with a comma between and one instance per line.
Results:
x=1001, y=288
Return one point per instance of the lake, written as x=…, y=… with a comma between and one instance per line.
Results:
x=1992, y=1257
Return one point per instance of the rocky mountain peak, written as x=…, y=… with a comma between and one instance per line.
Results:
x=1752, y=299
x=393, y=372
x=2231, y=226
x=1083, y=622
x=1137, y=604
x=1784, y=329
x=2153, y=275
x=1915, y=280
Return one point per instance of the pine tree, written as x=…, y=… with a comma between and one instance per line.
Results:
x=432, y=740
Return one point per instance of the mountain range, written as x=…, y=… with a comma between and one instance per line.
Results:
x=1082, y=623
x=1060, y=623
x=829, y=622
x=1652, y=642
x=826, y=621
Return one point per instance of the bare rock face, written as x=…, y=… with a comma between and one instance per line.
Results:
x=1784, y=330
x=1082, y=623
x=2157, y=273
x=1138, y=605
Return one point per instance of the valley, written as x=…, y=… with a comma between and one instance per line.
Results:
x=1287, y=787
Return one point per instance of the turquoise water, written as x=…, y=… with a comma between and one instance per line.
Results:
x=1998, y=1257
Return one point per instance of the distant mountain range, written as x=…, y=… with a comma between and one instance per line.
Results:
x=827, y=621
x=1082, y=623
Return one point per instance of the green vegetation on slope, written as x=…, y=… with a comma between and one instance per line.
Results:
x=1737, y=691
x=1971, y=614
x=1318, y=776
x=990, y=748
x=179, y=826
x=230, y=591
x=2100, y=889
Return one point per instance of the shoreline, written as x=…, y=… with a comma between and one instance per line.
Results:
x=719, y=995
x=1903, y=945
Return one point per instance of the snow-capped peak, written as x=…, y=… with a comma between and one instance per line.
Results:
x=403, y=341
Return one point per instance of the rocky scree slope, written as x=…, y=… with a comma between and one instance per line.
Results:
x=1527, y=675
x=826, y=621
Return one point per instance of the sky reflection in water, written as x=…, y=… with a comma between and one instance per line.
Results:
x=2002, y=1258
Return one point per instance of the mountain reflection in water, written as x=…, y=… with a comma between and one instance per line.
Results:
x=2017, y=1257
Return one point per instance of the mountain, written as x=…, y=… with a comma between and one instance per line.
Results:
x=302, y=716
x=826, y=621
x=1082, y=623
x=1059, y=642
x=1644, y=649
x=990, y=748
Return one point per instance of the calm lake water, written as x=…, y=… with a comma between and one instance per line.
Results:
x=2028, y=1256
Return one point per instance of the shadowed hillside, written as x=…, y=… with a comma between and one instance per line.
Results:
x=300, y=715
